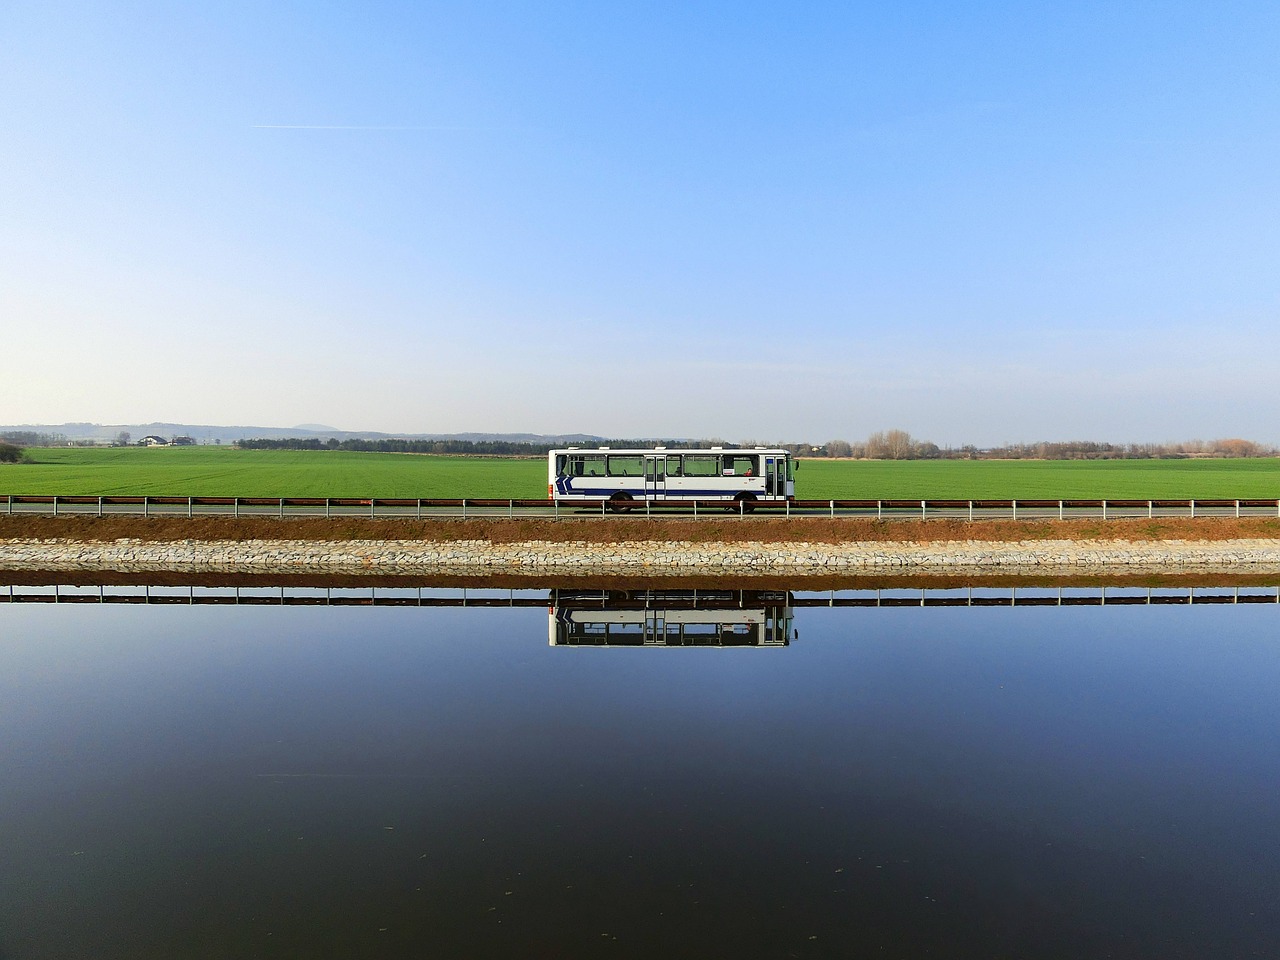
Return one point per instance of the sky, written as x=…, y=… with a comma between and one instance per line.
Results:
x=986, y=222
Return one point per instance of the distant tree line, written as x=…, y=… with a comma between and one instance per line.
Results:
x=30, y=438
x=900, y=445
x=492, y=448
x=882, y=445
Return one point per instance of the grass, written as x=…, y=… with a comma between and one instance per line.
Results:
x=1038, y=479
x=228, y=472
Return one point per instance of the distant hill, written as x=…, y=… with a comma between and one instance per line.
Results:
x=209, y=433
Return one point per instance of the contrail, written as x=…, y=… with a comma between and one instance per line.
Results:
x=321, y=126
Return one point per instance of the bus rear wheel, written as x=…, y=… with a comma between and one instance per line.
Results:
x=621, y=503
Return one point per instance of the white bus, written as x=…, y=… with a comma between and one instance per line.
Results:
x=626, y=477
x=674, y=619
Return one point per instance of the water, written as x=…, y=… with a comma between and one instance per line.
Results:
x=242, y=781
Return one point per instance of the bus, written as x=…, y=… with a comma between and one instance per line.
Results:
x=671, y=618
x=740, y=478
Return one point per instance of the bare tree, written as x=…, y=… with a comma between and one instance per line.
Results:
x=899, y=445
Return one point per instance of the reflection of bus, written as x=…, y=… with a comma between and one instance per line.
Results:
x=672, y=618
x=759, y=475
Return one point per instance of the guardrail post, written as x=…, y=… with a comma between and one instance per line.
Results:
x=1104, y=509
x=235, y=506
x=647, y=501
x=99, y=506
x=1150, y=512
x=282, y=508
x=511, y=509
x=924, y=510
x=833, y=509
x=1060, y=510
x=373, y=508
x=1237, y=509
x=464, y=508
x=189, y=501
x=146, y=507
x=418, y=515
x=55, y=506
x=10, y=499
x=879, y=509
x=1193, y=509
x=326, y=508
x=970, y=511
x=1015, y=508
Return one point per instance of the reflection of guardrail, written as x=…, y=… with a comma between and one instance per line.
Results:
x=1044, y=597
x=391, y=507
x=637, y=601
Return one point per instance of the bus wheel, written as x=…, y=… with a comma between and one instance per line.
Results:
x=621, y=503
x=743, y=503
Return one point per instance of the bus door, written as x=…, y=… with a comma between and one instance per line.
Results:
x=655, y=628
x=775, y=477
x=655, y=477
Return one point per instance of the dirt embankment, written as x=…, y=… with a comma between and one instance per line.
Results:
x=626, y=529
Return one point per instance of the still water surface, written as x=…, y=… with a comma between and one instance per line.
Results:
x=433, y=782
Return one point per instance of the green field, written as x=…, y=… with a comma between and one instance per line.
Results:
x=228, y=472
x=1039, y=479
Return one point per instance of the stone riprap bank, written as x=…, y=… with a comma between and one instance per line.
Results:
x=733, y=558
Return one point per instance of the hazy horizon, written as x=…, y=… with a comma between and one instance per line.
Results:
x=990, y=224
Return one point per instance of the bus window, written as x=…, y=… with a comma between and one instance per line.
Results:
x=626, y=466
x=701, y=465
x=584, y=465
x=741, y=466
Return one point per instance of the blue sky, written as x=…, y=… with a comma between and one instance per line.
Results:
x=981, y=222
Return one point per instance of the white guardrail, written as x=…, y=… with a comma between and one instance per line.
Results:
x=387, y=508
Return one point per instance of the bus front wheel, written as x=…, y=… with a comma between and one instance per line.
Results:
x=743, y=503
x=621, y=503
